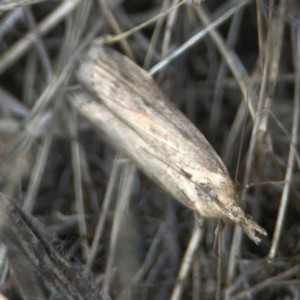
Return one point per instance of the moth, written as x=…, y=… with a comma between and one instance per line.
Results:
x=122, y=101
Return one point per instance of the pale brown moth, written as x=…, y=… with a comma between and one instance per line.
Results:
x=124, y=103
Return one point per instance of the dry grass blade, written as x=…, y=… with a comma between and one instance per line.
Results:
x=29, y=250
x=291, y=158
x=24, y=44
x=185, y=267
x=11, y=4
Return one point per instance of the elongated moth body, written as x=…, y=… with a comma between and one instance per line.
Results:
x=124, y=103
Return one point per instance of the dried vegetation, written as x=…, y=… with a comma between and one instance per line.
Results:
x=78, y=221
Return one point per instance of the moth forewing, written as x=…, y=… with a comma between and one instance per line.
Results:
x=126, y=140
x=158, y=137
x=149, y=112
x=136, y=91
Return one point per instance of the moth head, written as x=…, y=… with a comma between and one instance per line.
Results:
x=216, y=195
x=217, y=199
